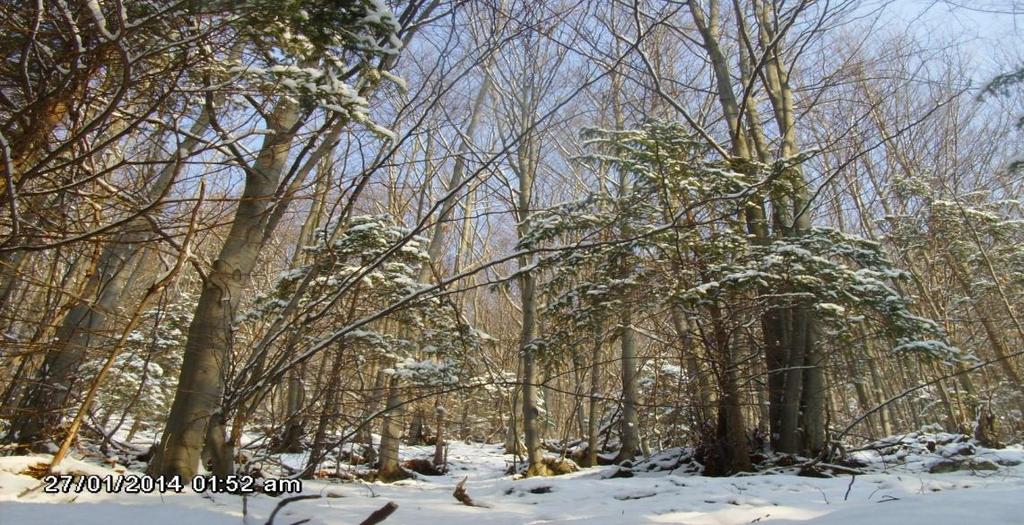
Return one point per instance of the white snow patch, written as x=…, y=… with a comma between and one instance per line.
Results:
x=904, y=496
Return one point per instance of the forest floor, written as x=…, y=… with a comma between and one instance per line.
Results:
x=895, y=487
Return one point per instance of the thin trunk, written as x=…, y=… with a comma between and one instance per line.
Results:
x=593, y=411
x=364, y=435
x=992, y=332
x=391, y=435
x=440, y=446
x=294, y=427
x=328, y=411
x=417, y=433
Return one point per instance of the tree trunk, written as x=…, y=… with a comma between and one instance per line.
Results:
x=328, y=409
x=593, y=411
x=84, y=326
x=513, y=445
x=440, y=446
x=531, y=412
x=731, y=432
x=417, y=432
x=391, y=434
x=629, y=429
x=201, y=381
x=217, y=449
x=364, y=435
x=294, y=427
x=815, y=389
x=390, y=437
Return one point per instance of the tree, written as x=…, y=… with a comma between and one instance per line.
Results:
x=341, y=42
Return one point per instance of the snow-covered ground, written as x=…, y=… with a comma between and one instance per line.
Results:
x=903, y=494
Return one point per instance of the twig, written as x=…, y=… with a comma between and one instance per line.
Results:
x=913, y=389
x=282, y=503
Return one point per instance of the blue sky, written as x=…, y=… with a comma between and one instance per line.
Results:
x=993, y=39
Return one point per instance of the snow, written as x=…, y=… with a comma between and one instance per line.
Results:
x=902, y=494
x=101, y=21
x=831, y=308
x=106, y=513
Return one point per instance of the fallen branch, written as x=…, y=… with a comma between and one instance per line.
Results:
x=380, y=514
x=841, y=469
x=463, y=496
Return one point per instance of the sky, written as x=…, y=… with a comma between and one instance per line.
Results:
x=989, y=29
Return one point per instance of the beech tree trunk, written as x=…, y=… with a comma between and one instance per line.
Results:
x=531, y=412
x=201, y=381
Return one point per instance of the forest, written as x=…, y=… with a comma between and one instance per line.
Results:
x=531, y=261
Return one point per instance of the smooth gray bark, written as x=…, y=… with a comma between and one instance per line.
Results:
x=201, y=381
